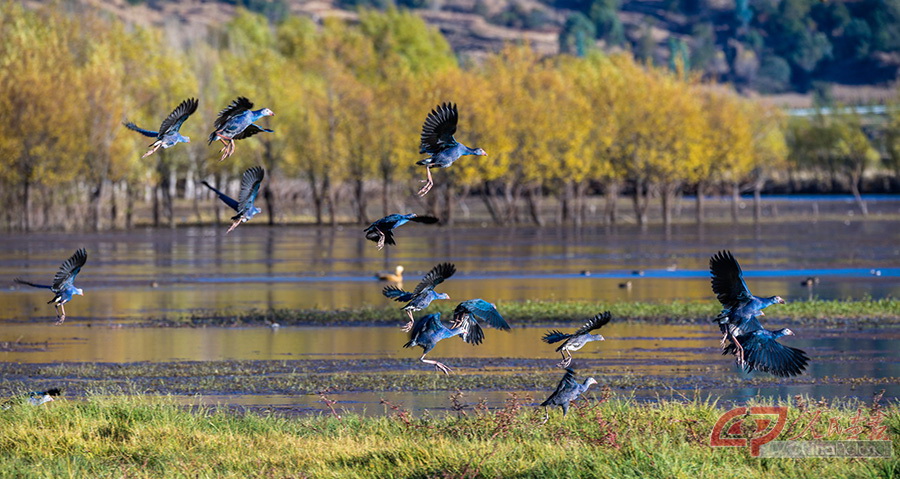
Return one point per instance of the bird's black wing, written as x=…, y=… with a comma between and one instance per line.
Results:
x=728, y=279
x=436, y=276
x=250, y=187
x=428, y=220
x=132, y=126
x=397, y=294
x=250, y=131
x=238, y=106
x=596, y=322
x=68, y=270
x=566, y=383
x=555, y=336
x=482, y=311
x=33, y=285
x=439, y=127
x=429, y=322
x=763, y=352
x=373, y=233
x=179, y=114
x=222, y=196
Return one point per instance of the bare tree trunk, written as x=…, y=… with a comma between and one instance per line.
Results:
x=489, y=204
x=735, y=200
x=330, y=201
x=129, y=206
x=701, y=202
x=667, y=195
x=361, y=200
x=641, y=201
x=612, y=198
x=26, y=201
x=448, y=203
x=854, y=188
x=270, y=203
x=534, y=205
x=94, y=207
x=156, y=208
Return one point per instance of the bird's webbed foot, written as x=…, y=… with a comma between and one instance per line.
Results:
x=234, y=225
x=429, y=182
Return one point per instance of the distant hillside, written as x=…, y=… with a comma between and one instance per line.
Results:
x=790, y=50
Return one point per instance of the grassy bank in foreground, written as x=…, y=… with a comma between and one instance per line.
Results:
x=871, y=312
x=149, y=437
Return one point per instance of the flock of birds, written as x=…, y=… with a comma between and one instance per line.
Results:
x=753, y=346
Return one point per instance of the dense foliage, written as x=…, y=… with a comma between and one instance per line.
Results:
x=350, y=99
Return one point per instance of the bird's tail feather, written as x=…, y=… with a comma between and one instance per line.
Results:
x=33, y=285
x=410, y=343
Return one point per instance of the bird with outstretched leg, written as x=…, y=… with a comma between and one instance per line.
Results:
x=381, y=231
x=754, y=347
x=577, y=340
x=423, y=294
x=437, y=140
x=567, y=391
x=168, y=134
x=236, y=122
x=63, y=285
x=429, y=330
x=244, y=206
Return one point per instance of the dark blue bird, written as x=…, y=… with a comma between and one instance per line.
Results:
x=35, y=398
x=40, y=397
x=381, y=231
x=424, y=293
x=438, y=141
x=168, y=134
x=63, y=283
x=576, y=340
x=429, y=329
x=236, y=122
x=755, y=347
x=567, y=391
x=249, y=191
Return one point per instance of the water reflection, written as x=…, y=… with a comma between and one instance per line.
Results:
x=295, y=267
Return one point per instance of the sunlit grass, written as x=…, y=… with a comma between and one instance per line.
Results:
x=143, y=436
x=819, y=312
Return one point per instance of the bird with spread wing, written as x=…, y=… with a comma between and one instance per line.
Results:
x=169, y=133
x=423, y=294
x=437, y=140
x=236, y=122
x=63, y=285
x=754, y=347
x=249, y=191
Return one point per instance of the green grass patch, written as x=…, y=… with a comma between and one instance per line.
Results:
x=144, y=436
x=874, y=312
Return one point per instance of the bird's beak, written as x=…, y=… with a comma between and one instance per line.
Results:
x=602, y=338
x=762, y=313
x=781, y=301
x=187, y=140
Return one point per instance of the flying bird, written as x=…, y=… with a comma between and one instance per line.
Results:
x=396, y=277
x=236, y=122
x=381, y=231
x=754, y=347
x=567, y=391
x=576, y=340
x=168, y=134
x=429, y=330
x=249, y=191
x=477, y=309
x=438, y=141
x=63, y=283
x=424, y=293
